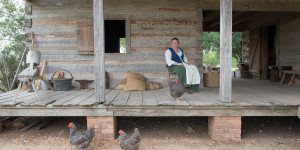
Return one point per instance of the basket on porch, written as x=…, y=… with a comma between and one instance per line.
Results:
x=63, y=84
x=211, y=78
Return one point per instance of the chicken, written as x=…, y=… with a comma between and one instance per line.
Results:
x=129, y=143
x=177, y=89
x=81, y=139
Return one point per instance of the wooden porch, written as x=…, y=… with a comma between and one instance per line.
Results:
x=249, y=98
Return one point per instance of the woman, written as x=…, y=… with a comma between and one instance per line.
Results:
x=175, y=59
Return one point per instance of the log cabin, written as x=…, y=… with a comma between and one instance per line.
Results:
x=84, y=36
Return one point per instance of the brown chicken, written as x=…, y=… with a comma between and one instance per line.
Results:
x=177, y=89
x=129, y=143
x=81, y=139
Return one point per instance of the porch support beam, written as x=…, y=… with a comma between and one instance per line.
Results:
x=99, y=51
x=225, y=50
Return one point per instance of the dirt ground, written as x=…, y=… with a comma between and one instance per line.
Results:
x=189, y=133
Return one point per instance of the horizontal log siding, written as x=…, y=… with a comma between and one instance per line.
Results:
x=254, y=5
x=289, y=43
x=153, y=25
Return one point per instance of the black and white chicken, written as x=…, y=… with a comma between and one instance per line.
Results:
x=129, y=143
x=176, y=89
x=81, y=139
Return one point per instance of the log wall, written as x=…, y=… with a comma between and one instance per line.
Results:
x=254, y=5
x=289, y=43
x=287, y=47
x=152, y=25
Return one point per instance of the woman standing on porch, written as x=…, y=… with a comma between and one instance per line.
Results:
x=176, y=59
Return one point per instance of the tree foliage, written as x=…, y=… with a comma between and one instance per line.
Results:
x=211, y=47
x=12, y=40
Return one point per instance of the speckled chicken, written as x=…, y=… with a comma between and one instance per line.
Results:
x=81, y=139
x=177, y=89
x=129, y=143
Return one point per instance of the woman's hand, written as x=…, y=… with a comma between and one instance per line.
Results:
x=180, y=64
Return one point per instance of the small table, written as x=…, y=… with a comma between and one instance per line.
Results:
x=291, y=72
x=83, y=83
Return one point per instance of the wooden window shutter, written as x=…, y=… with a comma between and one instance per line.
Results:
x=85, y=39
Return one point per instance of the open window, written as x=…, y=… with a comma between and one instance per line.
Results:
x=116, y=35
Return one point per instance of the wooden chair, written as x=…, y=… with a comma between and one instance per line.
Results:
x=292, y=73
x=171, y=74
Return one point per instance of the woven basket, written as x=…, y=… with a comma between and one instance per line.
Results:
x=211, y=78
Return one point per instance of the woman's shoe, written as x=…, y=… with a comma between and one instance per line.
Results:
x=188, y=90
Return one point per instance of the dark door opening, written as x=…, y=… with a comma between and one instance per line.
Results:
x=272, y=51
x=115, y=41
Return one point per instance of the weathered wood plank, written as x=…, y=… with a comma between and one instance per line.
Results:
x=49, y=22
x=73, y=56
x=261, y=5
x=163, y=29
x=266, y=98
x=57, y=3
x=163, y=98
x=28, y=10
x=198, y=99
x=111, y=96
x=99, y=50
x=80, y=98
x=211, y=94
x=54, y=98
x=10, y=94
x=182, y=101
x=91, y=100
x=149, y=99
x=43, y=96
x=52, y=29
x=111, y=68
x=150, y=41
x=63, y=100
x=136, y=98
x=147, y=49
x=121, y=99
x=207, y=111
x=270, y=97
x=25, y=96
x=225, y=51
x=57, y=44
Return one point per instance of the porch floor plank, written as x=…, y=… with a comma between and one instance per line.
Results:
x=43, y=96
x=237, y=98
x=121, y=99
x=92, y=100
x=61, y=101
x=182, y=101
x=199, y=98
x=149, y=99
x=80, y=98
x=136, y=98
x=10, y=94
x=20, y=99
x=245, y=93
x=50, y=100
x=111, y=96
x=21, y=95
x=163, y=98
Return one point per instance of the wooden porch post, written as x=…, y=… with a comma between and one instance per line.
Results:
x=225, y=50
x=99, y=51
